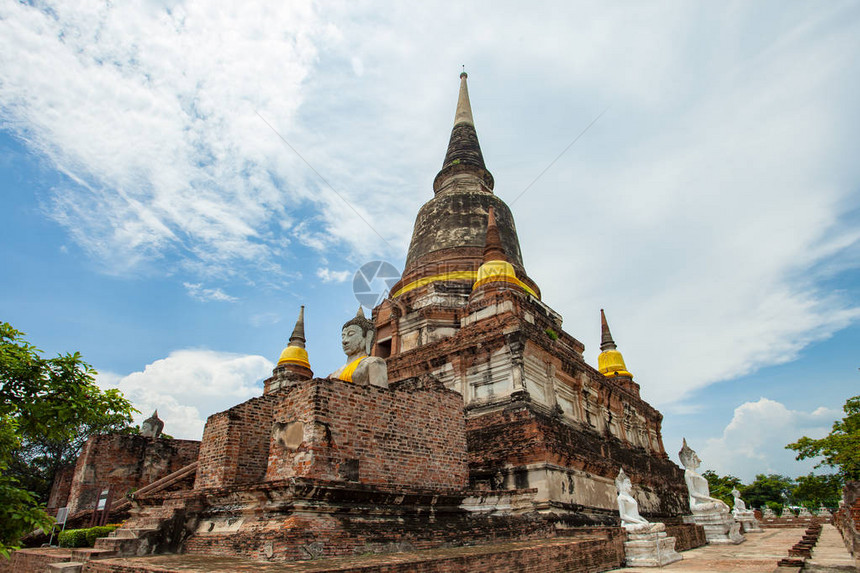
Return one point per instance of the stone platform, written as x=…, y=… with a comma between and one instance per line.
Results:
x=575, y=555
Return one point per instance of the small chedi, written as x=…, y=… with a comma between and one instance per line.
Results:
x=744, y=516
x=647, y=543
x=823, y=512
x=711, y=513
x=804, y=512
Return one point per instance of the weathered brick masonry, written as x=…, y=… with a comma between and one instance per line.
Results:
x=401, y=436
x=124, y=462
x=235, y=446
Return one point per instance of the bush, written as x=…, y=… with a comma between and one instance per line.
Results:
x=73, y=538
x=94, y=533
x=83, y=537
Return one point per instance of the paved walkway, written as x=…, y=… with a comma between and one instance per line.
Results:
x=830, y=554
x=760, y=553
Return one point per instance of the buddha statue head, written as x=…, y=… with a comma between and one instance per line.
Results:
x=357, y=334
x=688, y=457
x=152, y=426
x=622, y=482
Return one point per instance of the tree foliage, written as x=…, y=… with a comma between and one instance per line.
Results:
x=721, y=486
x=813, y=491
x=840, y=448
x=773, y=488
x=48, y=408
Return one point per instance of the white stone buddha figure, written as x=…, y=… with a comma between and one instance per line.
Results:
x=739, y=504
x=746, y=517
x=628, y=508
x=700, y=493
x=360, y=368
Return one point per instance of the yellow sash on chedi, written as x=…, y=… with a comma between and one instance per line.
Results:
x=349, y=370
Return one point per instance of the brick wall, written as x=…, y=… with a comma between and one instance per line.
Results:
x=522, y=434
x=34, y=560
x=847, y=519
x=687, y=535
x=60, y=489
x=235, y=446
x=124, y=462
x=411, y=435
x=545, y=556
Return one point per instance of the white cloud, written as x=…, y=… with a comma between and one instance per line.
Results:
x=198, y=292
x=328, y=276
x=190, y=385
x=755, y=439
x=151, y=109
x=700, y=211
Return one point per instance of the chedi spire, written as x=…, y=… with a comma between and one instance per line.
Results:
x=610, y=363
x=606, y=342
x=297, y=338
x=463, y=157
x=493, y=249
x=294, y=357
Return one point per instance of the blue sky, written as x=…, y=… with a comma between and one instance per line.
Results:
x=178, y=177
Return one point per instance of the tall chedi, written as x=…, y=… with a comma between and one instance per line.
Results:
x=466, y=315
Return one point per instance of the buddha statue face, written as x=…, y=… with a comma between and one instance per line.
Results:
x=353, y=339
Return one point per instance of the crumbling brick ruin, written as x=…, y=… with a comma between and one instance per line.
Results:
x=490, y=427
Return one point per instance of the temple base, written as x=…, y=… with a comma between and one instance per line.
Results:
x=651, y=549
x=720, y=528
x=749, y=524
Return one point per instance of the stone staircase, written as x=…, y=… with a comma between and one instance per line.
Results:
x=156, y=523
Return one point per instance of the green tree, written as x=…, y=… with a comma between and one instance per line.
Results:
x=48, y=408
x=814, y=490
x=840, y=448
x=773, y=488
x=721, y=486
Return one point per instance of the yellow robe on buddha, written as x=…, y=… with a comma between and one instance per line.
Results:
x=349, y=370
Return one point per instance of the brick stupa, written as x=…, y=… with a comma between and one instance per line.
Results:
x=492, y=429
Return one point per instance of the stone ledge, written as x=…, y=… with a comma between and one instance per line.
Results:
x=593, y=553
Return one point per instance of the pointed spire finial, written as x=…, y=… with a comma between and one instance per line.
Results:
x=360, y=312
x=493, y=249
x=464, y=152
x=463, y=74
x=297, y=338
x=606, y=342
x=464, y=106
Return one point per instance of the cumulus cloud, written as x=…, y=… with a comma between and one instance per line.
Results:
x=329, y=276
x=198, y=292
x=754, y=441
x=188, y=386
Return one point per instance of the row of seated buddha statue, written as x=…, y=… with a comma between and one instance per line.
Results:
x=648, y=544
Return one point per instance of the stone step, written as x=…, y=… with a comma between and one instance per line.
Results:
x=122, y=546
x=88, y=553
x=131, y=533
x=65, y=567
